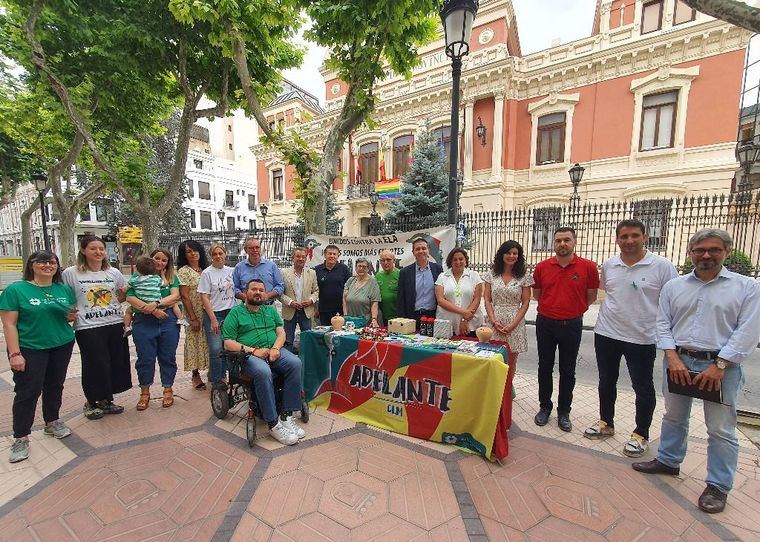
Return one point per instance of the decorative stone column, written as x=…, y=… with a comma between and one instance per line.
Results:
x=497, y=136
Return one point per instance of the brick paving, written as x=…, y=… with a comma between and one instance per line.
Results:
x=181, y=474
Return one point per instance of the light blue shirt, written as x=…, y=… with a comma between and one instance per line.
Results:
x=265, y=271
x=425, y=289
x=722, y=315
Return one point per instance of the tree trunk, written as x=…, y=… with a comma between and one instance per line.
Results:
x=26, y=228
x=731, y=11
x=149, y=222
x=67, y=251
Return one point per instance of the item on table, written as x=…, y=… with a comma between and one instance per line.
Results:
x=426, y=326
x=401, y=326
x=442, y=329
x=337, y=322
x=484, y=334
x=373, y=333
x=350, y=326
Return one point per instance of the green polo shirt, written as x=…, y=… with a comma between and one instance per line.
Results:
x=41, y=313
x=256, y=329
x=388, y=292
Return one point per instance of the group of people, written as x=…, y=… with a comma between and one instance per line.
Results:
x=707, y=323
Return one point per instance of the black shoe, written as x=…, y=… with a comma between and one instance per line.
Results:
x=563, y=421
x=542, y=418
x=712, y=500
x=655, y=467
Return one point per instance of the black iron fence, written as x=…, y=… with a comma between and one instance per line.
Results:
x=670, y=223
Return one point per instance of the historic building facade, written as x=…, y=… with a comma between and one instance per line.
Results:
x=648, y=104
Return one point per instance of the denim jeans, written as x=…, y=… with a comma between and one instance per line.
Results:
x=217, y=371
x=289, y=368
x=156, y=339
x=551, y=335
x=303, y=321
x=722, y=444
x=640, y=360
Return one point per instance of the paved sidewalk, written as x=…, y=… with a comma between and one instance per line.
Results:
x=181, y=474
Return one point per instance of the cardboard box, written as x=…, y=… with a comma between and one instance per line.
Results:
x=402, y=326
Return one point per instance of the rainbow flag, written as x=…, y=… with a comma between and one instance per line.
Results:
x=388, y=189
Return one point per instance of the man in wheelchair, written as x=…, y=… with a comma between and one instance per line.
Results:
x=257, y=329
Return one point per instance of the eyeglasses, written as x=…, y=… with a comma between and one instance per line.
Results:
x=714, y=251
x=50, y=263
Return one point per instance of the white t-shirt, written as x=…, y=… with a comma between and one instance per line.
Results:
x=629, y=311
x=460, y=294
x=97, y=302
x=217, y=283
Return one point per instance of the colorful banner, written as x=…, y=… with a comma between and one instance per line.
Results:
x=440, y=240
x=433, y=395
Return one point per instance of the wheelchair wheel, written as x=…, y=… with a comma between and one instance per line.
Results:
x=220, y=402
x=250, y=431
x=304, y=412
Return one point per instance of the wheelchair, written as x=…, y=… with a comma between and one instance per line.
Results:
x=240, y=388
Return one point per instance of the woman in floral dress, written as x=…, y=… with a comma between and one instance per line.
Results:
x=507, y=296
x=191, y=261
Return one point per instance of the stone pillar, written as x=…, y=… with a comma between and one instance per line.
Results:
x=468, y=115
x=498, y=134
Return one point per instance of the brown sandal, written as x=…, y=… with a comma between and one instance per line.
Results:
x=168, y=399
x=142, y=404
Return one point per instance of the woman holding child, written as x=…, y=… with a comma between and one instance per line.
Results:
x=191, y=261
x=155, y=331
x=99, y=289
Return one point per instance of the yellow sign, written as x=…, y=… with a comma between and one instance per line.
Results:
x=11, y=264
x=130, y=234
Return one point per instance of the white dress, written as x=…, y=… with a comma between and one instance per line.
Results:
x=506, y=300
x=460, y=293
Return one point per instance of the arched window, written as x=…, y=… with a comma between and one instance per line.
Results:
x=368, y=162
x=402, y=153
x=443, y=136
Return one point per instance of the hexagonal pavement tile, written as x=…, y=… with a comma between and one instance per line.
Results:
x=286, y=497
x=426, y=501
x=576, y=503
x=176, y=487
x=354, y=499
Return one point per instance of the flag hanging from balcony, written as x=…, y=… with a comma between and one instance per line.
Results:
x=381, y=159
x=388, y=189
x=358, y=171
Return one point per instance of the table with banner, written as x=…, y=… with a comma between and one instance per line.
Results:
x=459, y=398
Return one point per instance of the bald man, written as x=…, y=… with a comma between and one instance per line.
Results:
x=387, y=278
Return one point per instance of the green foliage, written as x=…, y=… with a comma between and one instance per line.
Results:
x=737, y=261
x=424, y=189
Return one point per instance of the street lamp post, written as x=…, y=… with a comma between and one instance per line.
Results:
x=374, y=218
x=747, y=153
x=457, y=17
x=40, y=183
x=264, y=209
x=220, y=215
x=576, y=174
x=459, y=223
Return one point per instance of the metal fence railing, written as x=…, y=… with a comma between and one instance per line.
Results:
x=670, y=223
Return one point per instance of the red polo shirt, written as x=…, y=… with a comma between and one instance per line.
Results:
x=563, y=289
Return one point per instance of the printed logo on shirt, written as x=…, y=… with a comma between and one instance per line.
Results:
x=99, y=297
x=34, y=301
x=575, y=276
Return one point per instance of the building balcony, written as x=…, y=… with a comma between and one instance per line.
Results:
x=359, y=191
x=231, y=204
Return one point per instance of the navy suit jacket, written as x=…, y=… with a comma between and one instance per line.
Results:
x=407, y=288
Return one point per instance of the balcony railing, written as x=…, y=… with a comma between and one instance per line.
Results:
x=358, y=191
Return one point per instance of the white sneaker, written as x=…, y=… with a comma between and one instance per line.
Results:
x=282, y=434
x=291, y=424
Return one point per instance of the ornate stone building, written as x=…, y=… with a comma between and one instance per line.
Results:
x=648, y=104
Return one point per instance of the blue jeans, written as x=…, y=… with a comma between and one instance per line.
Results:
x=722, y=444
x=154, y=339
x=288, y=367
x=217, y=371
x=299, y=318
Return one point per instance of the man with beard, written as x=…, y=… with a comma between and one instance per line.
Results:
x=257, y=329
x=565, y=286
x=626, y=327
x=708, y=323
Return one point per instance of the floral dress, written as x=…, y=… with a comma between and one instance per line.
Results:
x=196, y=347
x=506, y=300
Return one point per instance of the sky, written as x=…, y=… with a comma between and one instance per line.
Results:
x=538, y=22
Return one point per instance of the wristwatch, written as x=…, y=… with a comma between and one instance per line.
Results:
x=720, y=363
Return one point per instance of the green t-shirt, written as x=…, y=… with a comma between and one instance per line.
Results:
x=388, y=292
x=41, y=313
x=256, y=329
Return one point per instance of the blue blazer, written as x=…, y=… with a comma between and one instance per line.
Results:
x=407, y=288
